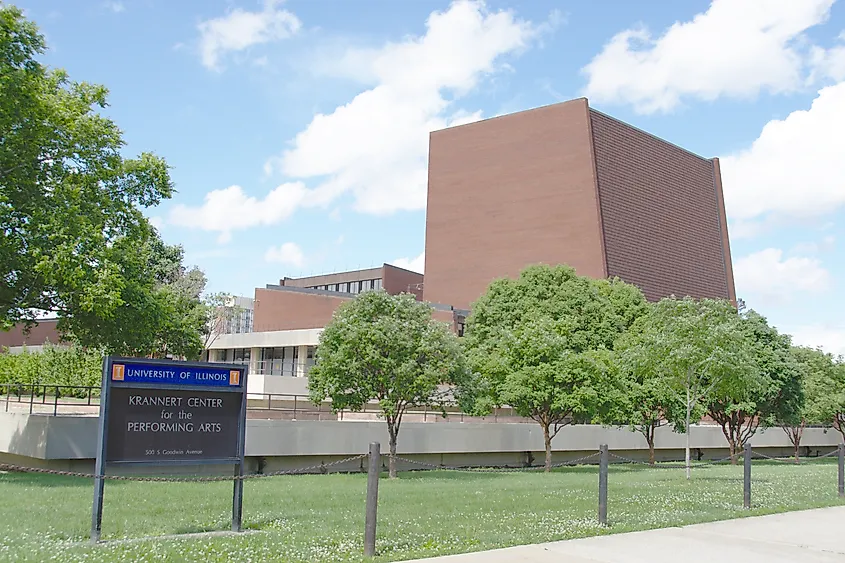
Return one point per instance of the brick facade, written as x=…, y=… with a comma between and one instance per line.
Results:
x=40, y=334
x=564, y=184
x=399, y=280
x=291, y=310
x=661, y=213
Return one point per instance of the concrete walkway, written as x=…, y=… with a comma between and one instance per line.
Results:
x=809, y=536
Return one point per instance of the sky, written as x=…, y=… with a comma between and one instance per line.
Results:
x=297, y=131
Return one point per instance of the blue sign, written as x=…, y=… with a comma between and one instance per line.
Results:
x=174, y=374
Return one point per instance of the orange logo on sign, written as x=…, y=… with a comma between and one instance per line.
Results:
x=234, y=377
x=117, y=372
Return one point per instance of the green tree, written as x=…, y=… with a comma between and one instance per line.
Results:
x=385, y=348
x=160, y=313
x=71, y=227
x=540, y=343
x=824, y=391
x=692, y=345
x=748, y=398
x=818, y=374
x=644, y=400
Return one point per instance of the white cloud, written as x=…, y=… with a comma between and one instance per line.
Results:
x=828, y=63
x=767, y=276
x=376, y=145
x=414, y=264
x=230, y=209
x=794, y=169
x=115, y=7
x=288, y=253
x=827, y=337
x=240, y=29
x=826, y=245
x=736, y=48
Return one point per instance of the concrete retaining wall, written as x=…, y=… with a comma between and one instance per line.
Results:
x=66, y=441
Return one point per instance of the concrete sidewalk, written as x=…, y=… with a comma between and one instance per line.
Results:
x=808, y=536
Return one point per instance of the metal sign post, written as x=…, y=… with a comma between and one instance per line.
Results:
x=168, y=413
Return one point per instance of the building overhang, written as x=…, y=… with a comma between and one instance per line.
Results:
x=270, y=339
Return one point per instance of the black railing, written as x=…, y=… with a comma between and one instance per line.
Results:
x=79, y=400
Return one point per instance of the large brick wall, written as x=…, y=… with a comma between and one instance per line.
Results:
x=40, y=334
x=291, y=310
x=662, y=214
x=508, y=192
x=399, y=280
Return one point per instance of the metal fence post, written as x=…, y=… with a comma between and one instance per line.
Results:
x=372, y=499
x=842, y=470
x=56, y=402
x=603, y=484
x=746, y=482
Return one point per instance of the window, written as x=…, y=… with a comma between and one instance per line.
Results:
x=354, y=287
x=377, y=284
x=461, y=328
x=333, y=287
x=343, y=287
x=241, y=355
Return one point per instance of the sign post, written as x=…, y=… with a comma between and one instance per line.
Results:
x=167, y=413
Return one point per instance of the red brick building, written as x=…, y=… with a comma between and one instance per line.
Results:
x=566, y=184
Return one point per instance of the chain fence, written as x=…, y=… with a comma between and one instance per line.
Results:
x=322, y=467
x=791, y=459
x=174, y=479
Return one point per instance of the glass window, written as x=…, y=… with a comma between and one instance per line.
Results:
x=344, y=287
x=377, y=284
x=333, y=287
x=241, y=355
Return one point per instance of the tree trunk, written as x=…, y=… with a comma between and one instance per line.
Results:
x=689, y=414
x=732, y=450
x=547, y=440
x=839, y=423
x=391, y=463
x=650, y=439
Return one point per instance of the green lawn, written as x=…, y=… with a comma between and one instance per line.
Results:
x=321, y=517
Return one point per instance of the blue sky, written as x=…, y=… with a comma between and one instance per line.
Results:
x=297, y=130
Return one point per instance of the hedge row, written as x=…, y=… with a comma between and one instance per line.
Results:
x=53, y=365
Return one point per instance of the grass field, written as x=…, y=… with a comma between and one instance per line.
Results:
x=321, y=517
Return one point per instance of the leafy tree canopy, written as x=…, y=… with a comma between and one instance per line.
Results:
x=769, y=391
x=72, y=235
x=824, y=388
x=589, y=313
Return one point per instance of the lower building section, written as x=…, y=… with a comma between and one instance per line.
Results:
x=67, y=442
